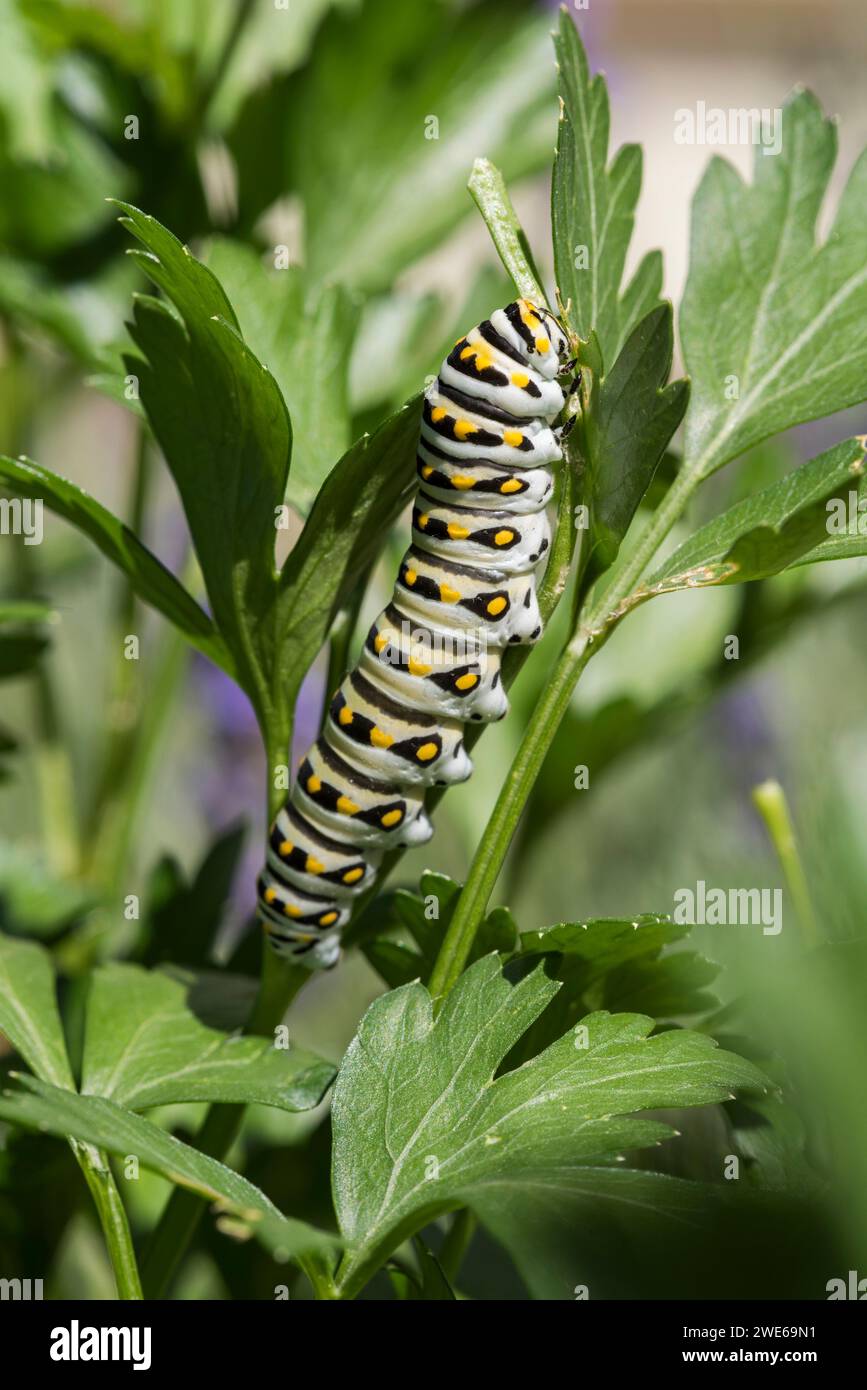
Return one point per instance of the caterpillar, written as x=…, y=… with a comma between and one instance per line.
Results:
x=465, y=590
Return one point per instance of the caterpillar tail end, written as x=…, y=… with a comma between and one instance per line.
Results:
x=319, y=953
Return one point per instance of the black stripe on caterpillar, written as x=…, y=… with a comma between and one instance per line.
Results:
x=466, y=589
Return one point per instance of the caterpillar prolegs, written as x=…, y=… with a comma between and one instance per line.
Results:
x=465, y=590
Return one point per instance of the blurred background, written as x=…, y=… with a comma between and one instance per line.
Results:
x=305, y=129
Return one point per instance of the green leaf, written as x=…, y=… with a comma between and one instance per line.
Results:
x=144, y=1046
x=302, y=332
x=629, y=416
x=480, y=71
x=28, y=1010
x=47, y=206
x=787, y=318
x=23, y=635
x=491, y=196
x=93, y=1120
x=183, y=918
x=593, y=209
x=603, y=943
x=764, y=533
x=601, y=1229
x=420, y=1124
x=435, y=1287
x=286, y=1238
x=149, y=577
x=34, y=899
x=221, y=423
x=847, y=522
x=612, y=963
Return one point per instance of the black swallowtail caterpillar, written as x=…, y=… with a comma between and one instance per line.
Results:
x=431, y=661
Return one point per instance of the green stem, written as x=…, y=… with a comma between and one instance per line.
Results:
x=457, y=1242
x=211, y=86
x=608, y=604
x=112, y=1218
x=493, y=846
x=770, y=801
x=109, y=854
x=176, y=1227
x=488, y=188
x=123, y=705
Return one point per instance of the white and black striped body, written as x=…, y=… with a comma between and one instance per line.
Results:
x=466, y=589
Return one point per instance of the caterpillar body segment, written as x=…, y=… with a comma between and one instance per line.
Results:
x=393, y=741
x=464, y=598
x=465, y=591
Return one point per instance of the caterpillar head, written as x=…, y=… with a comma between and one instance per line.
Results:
x=543, y=341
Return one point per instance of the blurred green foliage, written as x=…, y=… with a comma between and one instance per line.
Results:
x=311, y=158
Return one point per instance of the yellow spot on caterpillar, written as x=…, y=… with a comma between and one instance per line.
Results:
x=286, y=847
x=438, y=413
x=426, y=470
x=291, y=911
x=391, y=818
x=380, y=739
x=528, y=312
x=496, y=606
x=466, y=682
x=520, y=379
x=543, y=345
x=353, y=875
x=380, y=641
x=313, y=866
x=513, y=485
x=418, y=668
x=465, y=427
x=423, y=521
x=448, y=594
x=426, y=752
x=410, y=576
x=457, y=532
x=345, y=715
x=327, y=918
x=460, y=480
x=270, y=894
x=346, y=807
x=314, y=783
x=483, y=359
x=504, y=537
x=514, y=438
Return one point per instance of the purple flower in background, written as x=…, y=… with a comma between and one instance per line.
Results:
x=748, y=741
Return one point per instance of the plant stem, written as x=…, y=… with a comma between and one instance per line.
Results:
x=176, y=1227
x=491, y=852
x=770, y=801
x=210, y=87
x=608, y=604
x=112, y=1218
x=457, y=1242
